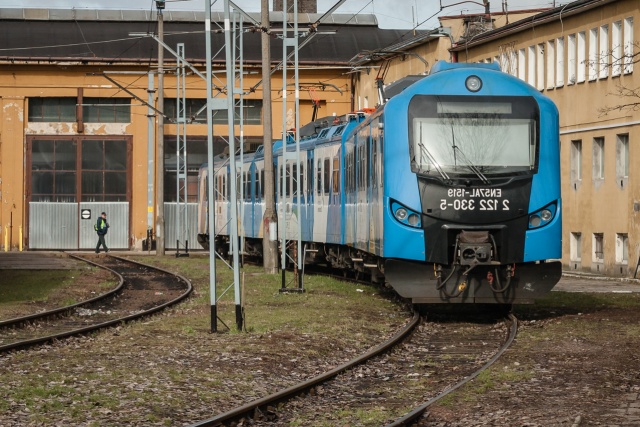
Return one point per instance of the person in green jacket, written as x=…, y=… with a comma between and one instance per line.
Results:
x=102, y=226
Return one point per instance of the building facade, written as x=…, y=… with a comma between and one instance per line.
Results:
x=77, y=136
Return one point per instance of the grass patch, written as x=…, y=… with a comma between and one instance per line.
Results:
x=33, y=285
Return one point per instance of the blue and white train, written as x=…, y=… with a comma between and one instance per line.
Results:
x=449, y=192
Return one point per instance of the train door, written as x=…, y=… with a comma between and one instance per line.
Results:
x=334, y=208
x=322, y=185
x=362, y=202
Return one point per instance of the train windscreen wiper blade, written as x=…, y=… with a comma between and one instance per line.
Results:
x=473, y=168
x=424, y=152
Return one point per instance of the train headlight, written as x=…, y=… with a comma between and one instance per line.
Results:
x=543, y=216
x=473, y=83
x=534, y=221
x=405, y=216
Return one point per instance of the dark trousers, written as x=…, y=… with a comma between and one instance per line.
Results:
x=101, y=242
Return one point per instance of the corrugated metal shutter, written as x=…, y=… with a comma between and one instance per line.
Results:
x=170, y=210
x=53, y=225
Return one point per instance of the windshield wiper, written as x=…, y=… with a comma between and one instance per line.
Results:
x=473, y=168
x=425, y=153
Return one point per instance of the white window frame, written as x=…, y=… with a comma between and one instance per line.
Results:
x=628, y=45
x=622, y=155
x=598, y=158
x=575, y=247
x=598, y=243
x=603, y=49
x=531, y=69
x=560, y=62
x=582, y=51
x=522, y=64
x=616, y=48
x=540, y=66
x=622, y=248
x=593, y=54
x=576, y=160
x=551, y=64
x=571, y=60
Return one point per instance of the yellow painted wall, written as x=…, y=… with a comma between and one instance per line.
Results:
x=19, y=82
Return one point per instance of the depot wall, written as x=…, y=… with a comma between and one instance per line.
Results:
x=20, y=82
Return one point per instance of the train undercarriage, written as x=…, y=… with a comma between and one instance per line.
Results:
x=467, y=280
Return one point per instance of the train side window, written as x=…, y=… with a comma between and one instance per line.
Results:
x=309, y=176
x=262, y=183
x=288, y=178
x=294, y=179
x=247, y=186
x=318, y=177
x=327, y=175
x=256, y=178
x=302, y=188
x=374, y=163
x=336, y=175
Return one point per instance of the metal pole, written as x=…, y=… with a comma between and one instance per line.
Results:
x=160, y=140
x=298, y=248
x=150, y=153
x=210, y=171
x=232, y=153
x=270, y=218
x=283, y=162
x=181, y=155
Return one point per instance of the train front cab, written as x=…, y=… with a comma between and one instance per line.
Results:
x=484, y=181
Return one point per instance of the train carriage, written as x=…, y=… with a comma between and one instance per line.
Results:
x=449, y=191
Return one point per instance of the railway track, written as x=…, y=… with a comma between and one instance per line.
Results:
x=404, y=375
x=142, y=290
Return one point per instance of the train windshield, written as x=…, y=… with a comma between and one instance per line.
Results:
x=473, y=136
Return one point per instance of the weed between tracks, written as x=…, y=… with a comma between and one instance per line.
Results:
x=28, y=291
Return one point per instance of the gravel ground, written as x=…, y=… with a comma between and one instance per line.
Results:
x=575, y=363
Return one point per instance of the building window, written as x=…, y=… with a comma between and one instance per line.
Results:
x=196, y=112
x=576, y=160
x=622, y=156
x=59, y=109
x=598, y=247
x=582, y=51
x=531, y=69
x=622, y=248
x=104, y=171
x=571, y=59
x=616, y=48
x=603, y=57
x=99, y=176
x=575, y=250
x=628, y=45
x=540, y=67
x=106, y=110
x=593, y=54
x=551, y=64
x=53, y=171
x=196, y=156
x=522, y=71
x=560, y=62
x=598, y=158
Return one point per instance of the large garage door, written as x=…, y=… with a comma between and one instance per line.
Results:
x=70, y=225
x=71, y=181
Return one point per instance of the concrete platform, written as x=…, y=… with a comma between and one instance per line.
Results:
x=36, y=260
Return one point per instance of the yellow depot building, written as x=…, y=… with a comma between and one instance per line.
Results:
x=76, y=134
